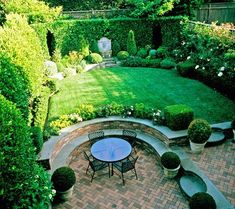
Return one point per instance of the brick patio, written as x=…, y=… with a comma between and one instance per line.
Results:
x=152, y=189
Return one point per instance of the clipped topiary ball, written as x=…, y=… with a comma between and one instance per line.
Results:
x=152, y=53
x=63, y=178
x=202, y=200
x=199, y=131
x=94, y=58
x=142, y=53
x=167, y=63
x=122, y=55
x=170, y=160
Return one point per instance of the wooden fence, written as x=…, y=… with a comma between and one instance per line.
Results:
x=212, y=12
x=106, y=13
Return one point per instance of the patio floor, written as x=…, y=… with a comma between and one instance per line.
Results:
x=152, y=189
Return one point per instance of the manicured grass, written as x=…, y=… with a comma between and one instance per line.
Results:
x=153, y=87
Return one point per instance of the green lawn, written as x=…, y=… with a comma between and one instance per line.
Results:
x=153, y=87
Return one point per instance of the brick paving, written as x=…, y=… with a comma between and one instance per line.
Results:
x=218, y=163
x=152, y=189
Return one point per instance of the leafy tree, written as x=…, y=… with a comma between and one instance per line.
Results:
x=35, y=10
x=23, y=183
x=152, y=8
x=131, y=44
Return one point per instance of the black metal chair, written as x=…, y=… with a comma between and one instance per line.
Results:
x=126, y=165
x=130, y=136
x=94, y=165
x=95, y=136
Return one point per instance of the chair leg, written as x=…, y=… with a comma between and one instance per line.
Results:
x=135, y=174
x=87, y=168
x=92, y=176
x=123, y=181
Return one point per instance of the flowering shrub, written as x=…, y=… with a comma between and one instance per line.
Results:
x=158, y=117
x=211, y=49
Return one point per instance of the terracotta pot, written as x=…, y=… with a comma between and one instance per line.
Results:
x=197, y=148
x=171, y=173
x=66, y=194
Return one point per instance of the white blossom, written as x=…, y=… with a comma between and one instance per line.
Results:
x=197, y=66
x=188, y=57
x=50, y=196
x=203, y=68
x=208, y=60
x=220, y=74
x=222, y=68
x=53, y=191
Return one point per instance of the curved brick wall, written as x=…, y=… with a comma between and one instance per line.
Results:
x=104, y=125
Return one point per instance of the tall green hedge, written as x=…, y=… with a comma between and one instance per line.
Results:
x=14, y=84
x=23, y=183
x=21, y=43
x=67, y=32
x=171, y=28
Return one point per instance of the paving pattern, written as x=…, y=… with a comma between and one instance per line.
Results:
x=152, y=189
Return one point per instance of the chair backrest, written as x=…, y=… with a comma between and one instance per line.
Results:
x=96, y=135
x=129, y=164
x=129, y=133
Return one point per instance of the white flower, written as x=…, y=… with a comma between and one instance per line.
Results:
x=53, y=191
x=183, y=43
x=208, y=59
x=211, y=49
x=37, y=176
x=50, y=196
x=203, y=68
x=220, y=74
x=45, y=187
x=188, y=57
x=197, y=66
x=222, y=68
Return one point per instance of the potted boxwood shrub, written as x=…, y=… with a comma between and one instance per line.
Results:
x=233, y=127
x=171, y=164
x=199, y=131
x=202, y=200
x=63, y=180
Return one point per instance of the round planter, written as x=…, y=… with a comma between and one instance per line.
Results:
x=196, y=148
x=171, y=173
x=66, y=194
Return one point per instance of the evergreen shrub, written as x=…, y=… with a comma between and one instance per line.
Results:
x=186, y=69
x=94, y=58
x=202, y=200
x=178, y=116
x=131, y=44
x=14, y=85
x=63, y=178
x=170, y=160
x=199, y=131
x=143, y=53
x=122, y=55
x=167, y=63
x=24, y=184
x=162, y=52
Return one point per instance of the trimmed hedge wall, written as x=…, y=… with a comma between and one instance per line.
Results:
x=23, y=183
x=171, y=28
x=178, y=117
x=14, y=85
x=67, y=32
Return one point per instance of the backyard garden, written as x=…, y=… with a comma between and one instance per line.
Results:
x=167, y=71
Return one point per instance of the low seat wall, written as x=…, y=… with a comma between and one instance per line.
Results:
x=104, y=125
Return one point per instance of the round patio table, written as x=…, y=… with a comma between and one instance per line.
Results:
x=111, y=149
